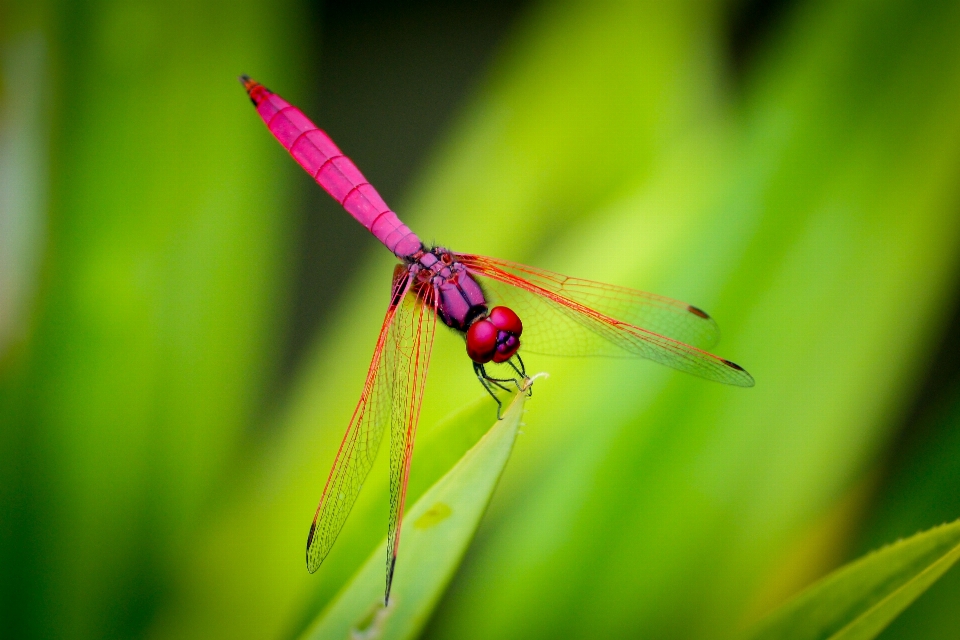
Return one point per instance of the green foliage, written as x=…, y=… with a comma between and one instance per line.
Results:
x=157, y=477
x=439, y=528
x=920, y=490
x=153, y=319
x=860, y=600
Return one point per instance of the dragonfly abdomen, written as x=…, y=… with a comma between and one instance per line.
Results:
x=335, y=172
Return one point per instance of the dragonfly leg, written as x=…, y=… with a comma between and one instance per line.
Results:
x=523, y=367
x=487, y=380
x=516, y=383
x=521, y=371
x=487, y=383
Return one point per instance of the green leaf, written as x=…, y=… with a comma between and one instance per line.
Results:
x=918, y=490
x=859, y=600
x=435, y=536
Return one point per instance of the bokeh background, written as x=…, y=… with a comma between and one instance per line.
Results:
x=186, y=319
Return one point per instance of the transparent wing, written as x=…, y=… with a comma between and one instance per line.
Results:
x=665, y=316
x=572, y=317
x=413, y=331
x=362, y=439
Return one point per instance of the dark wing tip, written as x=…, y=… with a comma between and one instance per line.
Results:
x=392, y=564
x=746, y=379
x=734, y=365
x=313, y=529
x=697, y=311
x=311, y=566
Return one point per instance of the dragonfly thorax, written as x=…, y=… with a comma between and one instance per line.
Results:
x=492, y=336
x=460, y=300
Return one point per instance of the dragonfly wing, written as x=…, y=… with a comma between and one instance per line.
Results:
x=413, y=331
x=362, y=439
x=661, y=315
x=557, y=320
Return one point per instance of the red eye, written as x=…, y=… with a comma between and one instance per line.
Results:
x=506, y=320
x=482, y=341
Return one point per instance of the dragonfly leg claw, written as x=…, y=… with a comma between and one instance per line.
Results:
x=526, y=385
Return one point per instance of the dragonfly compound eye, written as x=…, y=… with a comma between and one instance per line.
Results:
x=505, y=319
x=509, y=329
x=482, y=341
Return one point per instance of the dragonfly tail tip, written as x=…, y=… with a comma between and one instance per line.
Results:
x=257, y=92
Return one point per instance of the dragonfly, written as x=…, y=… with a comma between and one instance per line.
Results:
x=491, y=302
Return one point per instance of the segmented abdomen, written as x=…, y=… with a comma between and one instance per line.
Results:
x=333, y=171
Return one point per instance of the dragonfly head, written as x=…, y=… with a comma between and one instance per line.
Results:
x=494, y=338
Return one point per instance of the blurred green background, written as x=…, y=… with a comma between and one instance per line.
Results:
x=186, y=319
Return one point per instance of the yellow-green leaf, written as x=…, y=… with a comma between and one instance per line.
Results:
x=435, y=536
x=858, y=601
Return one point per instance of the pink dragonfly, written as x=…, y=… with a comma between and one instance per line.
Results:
x=561, y=316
